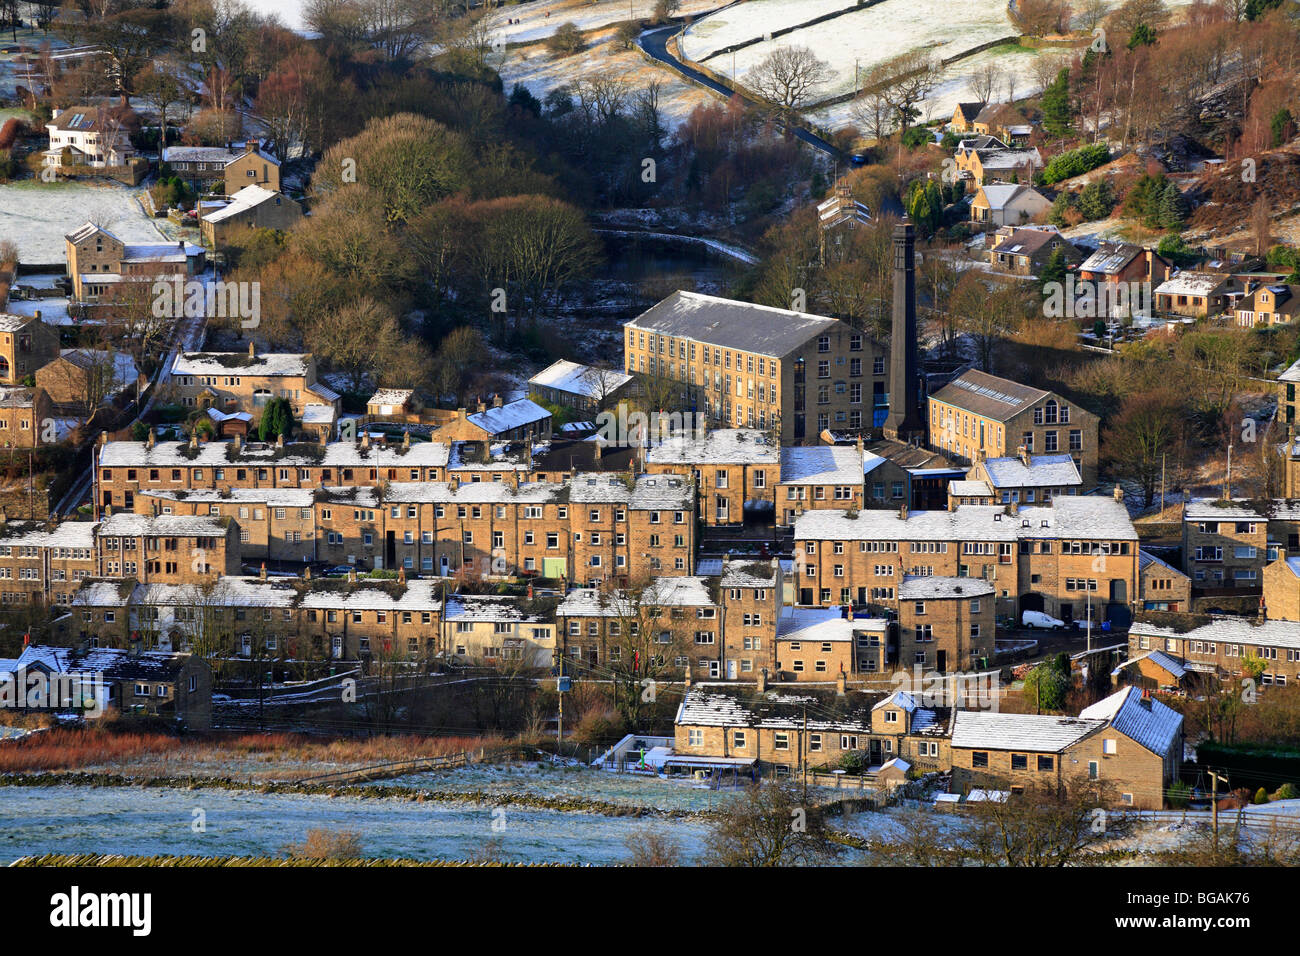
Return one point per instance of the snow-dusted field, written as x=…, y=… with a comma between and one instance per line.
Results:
x=541, y=73
x=750, y=20
x=129, y=820
x=870, y=36
x=955, y=86
x=37, y=215
x=535, y=24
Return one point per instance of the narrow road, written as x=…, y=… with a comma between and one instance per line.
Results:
x=655, y=43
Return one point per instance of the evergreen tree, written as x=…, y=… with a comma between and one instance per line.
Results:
x=1173, y=207
x=1097, y=200
x=1056, y=105
x=1281, y=127
x=1060, y=206
x=1143, y=35
x=1053, y=271
x=277, y=419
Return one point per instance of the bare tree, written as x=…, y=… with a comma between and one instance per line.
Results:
x=905, y=81
x=788, y=75
x=985, y=81
x=769, y=825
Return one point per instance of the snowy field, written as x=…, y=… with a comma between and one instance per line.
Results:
x=751, y=20
x=37, y=215
x=871, y=36
x=1015, y=62
x=541, y=73
x=574, y=782
x=129, y=820
x=534, y=24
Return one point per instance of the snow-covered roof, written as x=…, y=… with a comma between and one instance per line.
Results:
x=111, y=663
x=1142, y=719
x=732, y=324
x=342, y=454
x=814, y=624
x=650, y=492
x=418, y=595
x=1031, y=733
x=1191, y=283
x=250, y=197
x=966, y=488
x=749, y=574
x=577, y=379
x=466, y=608
x=508, y=417
x=68, y=534
x=821, y=465
x=278, y=497
x=391, y=396
x=269, y=364
x=661, y=592
x=15, y=323
x=316, y=414
x=125, y=524
x=1081, y=516
x=1229, y=630
x=917, y=587
x=1159, y=658
x=725, y=446
x=211, y=154
x=1043, y=471
x=1217, y=509
x=702, y=707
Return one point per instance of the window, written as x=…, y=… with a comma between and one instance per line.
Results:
x=738, y=739
x=695, y=738
x=781, y=740
x=1046, y=762
x=1019, y=761
x=979, y=758
x=1108, y=745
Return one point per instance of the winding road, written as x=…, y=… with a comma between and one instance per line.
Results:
x=655, y=44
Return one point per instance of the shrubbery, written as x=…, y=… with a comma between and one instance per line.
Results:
x=1076, y=162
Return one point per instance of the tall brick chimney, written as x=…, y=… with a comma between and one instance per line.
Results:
x=906, y=421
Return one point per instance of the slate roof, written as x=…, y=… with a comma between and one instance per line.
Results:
x=1191, y=283
x=1111, y=258
x=1143, y=719
x=1029, y=733
x=988, y=396
x=917, y=587
x=508, y=417
x=577, y=379
x=113, y=664
x=821, y=465
x=1043, y=471
x=731, y=324
x=742, y=707
x=723, y=446
x=1229, y=631
x=268, y=364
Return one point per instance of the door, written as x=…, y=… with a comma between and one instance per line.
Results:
x=443, y=566
x=731, y=670
x=942, y=661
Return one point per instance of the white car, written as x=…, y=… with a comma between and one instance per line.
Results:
x=1037, y=619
